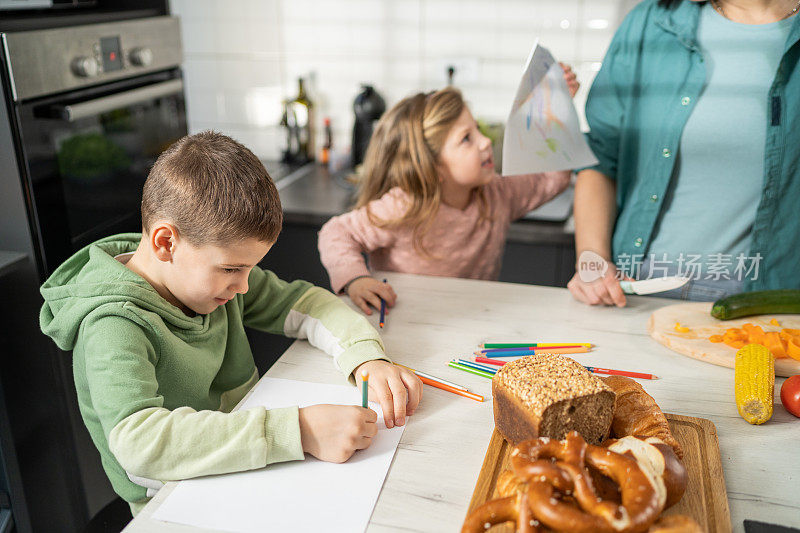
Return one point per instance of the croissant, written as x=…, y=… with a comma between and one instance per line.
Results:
x=636, y=413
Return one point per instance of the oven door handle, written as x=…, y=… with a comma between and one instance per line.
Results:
x=90, y=108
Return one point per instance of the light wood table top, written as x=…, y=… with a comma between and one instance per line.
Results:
x=430, y=482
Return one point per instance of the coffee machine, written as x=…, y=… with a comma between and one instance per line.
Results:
x=368, y=107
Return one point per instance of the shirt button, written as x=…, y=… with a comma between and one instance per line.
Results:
x=685, y=100
x=654, y=198
x=665, y=152
x=638, y=242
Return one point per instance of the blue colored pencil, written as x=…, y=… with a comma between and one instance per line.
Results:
x=532, y=351
x=383, y=309
x=517, y=353
x=477, y=366
x=505, y=354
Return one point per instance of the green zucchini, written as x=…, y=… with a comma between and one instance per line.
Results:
x=777, y=302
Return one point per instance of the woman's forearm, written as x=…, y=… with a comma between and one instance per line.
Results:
x=595, y=212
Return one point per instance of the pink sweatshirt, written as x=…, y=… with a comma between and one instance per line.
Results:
x=460, y=243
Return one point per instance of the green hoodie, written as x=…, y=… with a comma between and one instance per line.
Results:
x=156, y=387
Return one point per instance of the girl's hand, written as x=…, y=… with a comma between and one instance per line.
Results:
x=369, y=291
x=572, y=80
x=397, y=390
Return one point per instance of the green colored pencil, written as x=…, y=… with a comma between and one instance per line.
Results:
x=364, y=389
x=471, y=370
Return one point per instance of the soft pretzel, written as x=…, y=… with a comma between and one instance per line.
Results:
x=662, y=460
x=636, y=413
x=559, y=492
x=514, y=508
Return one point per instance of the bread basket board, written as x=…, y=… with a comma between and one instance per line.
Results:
x=705, y=498
x=697, y=317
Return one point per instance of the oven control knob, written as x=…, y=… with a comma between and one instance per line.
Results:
x=85, y=67
x=141, y=57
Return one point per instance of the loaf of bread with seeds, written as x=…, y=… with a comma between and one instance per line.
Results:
x=548, y=395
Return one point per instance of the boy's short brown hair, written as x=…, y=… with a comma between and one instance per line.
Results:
x=214, y=190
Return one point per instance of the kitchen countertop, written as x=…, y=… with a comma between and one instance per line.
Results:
x=311, y=195
x=432, y=477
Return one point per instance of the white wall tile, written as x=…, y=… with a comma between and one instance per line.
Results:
x=243, y=56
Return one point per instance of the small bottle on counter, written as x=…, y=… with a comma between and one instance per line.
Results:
x=325, y=154
x=298, y=119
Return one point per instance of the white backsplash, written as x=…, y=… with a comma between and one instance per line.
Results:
x=243, y=57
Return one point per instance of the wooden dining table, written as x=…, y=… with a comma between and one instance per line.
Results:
x=433, y=474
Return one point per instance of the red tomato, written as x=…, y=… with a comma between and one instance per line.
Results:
x=790, y=395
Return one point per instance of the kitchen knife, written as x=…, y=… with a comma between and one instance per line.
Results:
x=651, y=286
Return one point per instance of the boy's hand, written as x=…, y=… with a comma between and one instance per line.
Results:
x=334, y=432
x=572, y=80
x=369, y=291
x=397, y=390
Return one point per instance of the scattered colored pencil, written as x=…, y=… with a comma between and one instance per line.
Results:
x=626, y=373
x=422, y=374
x=460, y=392
x=515, y=353
x=364, y=388
x=383, y=309
x=532, y=344
x=489, y=361
x=596, y=370
x=533, y=348
x=476, y=365
x=475, y=371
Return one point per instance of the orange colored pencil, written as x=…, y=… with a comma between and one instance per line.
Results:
x=448, y=388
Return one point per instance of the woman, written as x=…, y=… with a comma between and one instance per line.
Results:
x=699, y=170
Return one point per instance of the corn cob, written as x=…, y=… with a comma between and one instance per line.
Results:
x=755, y=381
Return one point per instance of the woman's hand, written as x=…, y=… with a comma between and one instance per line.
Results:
x=397, y=390
x=366, y=292
x=572, y=80
x=602, y=291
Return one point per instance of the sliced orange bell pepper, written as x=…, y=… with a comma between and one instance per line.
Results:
x=755, y=334
x=793, y=348
x=775, y=344
x=734, y=344
x=715, y=338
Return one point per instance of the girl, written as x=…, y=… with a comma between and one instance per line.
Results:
x=430, y=201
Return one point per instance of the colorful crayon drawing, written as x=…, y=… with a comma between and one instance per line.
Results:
x=542, y=131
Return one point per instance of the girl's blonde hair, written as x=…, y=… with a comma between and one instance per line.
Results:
x=404, y=151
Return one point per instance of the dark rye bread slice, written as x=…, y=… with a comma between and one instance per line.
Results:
x=547, y=395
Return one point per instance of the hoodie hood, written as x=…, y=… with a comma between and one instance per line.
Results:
x=92, y=279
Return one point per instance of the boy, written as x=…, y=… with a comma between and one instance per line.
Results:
x=156, y=323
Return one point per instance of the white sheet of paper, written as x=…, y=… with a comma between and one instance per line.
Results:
x=542, y=131
x=297, y=496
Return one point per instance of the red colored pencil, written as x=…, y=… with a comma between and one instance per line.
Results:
x=626, y=373
x=594, y=369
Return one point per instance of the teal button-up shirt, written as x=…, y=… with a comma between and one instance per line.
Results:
x=650, y=80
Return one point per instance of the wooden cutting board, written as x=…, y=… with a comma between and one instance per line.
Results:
x=697, y=317
x=705, y=498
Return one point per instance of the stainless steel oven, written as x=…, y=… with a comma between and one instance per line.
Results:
x=91, y=108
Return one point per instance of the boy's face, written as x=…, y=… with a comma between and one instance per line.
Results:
x=204, y=277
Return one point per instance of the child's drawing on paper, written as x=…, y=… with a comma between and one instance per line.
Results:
x=542, y=132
